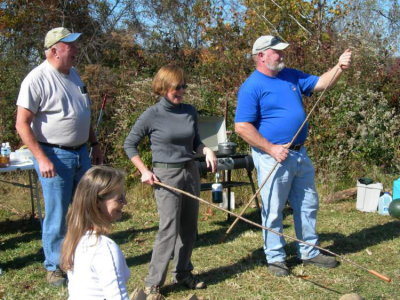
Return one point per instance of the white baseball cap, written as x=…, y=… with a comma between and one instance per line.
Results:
x=59, y=34
x=268, y=42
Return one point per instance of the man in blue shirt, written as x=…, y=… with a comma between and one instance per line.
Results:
x=269, y=113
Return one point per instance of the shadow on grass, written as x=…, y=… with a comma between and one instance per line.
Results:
x=213, y=237
x=362, y=239
x=23, y=261
x=23, y=231
x=137, y=260
x=129, y=236
x=203, y=240
x=320, y=285
x=20, y=225
x=217, y=275
x=219, y=236
x=342, y=244
x=220, y=274
x=14, y=242
x=126, y=236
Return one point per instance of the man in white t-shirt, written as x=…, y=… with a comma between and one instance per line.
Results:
x=53, y=120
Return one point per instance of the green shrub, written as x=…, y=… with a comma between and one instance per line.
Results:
x=357, y=130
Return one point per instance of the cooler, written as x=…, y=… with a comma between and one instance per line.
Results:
x=396, y=189
x=368, y=196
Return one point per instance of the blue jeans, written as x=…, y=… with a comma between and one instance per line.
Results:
x=57, y=193
x=293, y=181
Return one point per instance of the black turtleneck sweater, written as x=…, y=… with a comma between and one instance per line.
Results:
x=173, y=132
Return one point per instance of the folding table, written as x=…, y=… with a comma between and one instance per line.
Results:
x=33, y=183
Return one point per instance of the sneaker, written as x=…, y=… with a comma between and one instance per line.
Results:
x=278, y=269
x=153, y=293
x=322, y=260
x=56, y=278
x=192, y=282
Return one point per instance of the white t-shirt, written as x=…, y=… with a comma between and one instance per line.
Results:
x=100, y=270
x=60, y=103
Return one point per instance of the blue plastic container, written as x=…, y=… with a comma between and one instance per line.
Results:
x=383, y=204
x=396, y=189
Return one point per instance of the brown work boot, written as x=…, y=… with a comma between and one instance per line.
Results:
x=322, y=260
x=278, y=269
x=56, y=278
x=153, y=293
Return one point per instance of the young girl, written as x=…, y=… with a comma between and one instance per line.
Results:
x=96, y=266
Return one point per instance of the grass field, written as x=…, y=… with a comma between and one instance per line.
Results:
x=233, y=269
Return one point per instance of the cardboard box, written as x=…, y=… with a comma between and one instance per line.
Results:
x=368, y=196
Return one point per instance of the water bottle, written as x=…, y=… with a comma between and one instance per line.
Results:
x=4, y=160
x=7, y=153
x=383, y=204
x=216, y=190
x=8, y=149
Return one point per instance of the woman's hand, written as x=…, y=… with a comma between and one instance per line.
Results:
x=211, y=159
x=149, y=177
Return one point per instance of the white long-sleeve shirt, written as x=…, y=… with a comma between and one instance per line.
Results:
x=100, y=270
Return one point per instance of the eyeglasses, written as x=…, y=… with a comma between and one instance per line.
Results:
x=181, y=86
x=122, y=199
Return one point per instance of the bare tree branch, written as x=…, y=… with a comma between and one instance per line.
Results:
x=292, y=17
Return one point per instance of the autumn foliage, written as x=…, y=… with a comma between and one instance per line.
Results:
x=125, y=42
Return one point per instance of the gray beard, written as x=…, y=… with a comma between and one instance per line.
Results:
x=277, y=68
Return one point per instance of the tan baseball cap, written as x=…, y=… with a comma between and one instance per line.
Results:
x=59, y=34
x=268, y=42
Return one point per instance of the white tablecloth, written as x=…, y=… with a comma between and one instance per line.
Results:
x=33, y=184
x=18, y=165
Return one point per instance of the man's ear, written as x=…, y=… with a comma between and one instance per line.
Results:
x=53, y=50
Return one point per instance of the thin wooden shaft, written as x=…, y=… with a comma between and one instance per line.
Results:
x=383, y=277
x=251, y=199
x=277, y=163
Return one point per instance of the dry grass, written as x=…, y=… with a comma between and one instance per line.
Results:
x=234, y=268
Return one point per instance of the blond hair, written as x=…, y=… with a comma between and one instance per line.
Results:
x=168, y=77
x=98, y=184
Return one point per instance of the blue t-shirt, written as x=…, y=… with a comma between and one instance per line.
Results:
x=274, y=104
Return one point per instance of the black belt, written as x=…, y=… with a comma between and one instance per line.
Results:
x=170, y=165
x=296, y=147
x=63, y=147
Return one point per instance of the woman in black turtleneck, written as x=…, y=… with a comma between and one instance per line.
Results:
x=173, y=130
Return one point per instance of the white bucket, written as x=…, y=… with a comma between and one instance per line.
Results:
x=368, y=196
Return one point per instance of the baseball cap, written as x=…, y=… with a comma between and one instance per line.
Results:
x=59, y=34
x=268, y=42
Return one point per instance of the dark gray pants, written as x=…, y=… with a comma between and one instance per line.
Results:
x=178, y=224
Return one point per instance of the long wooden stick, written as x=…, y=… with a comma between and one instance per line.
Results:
x=277, y=163
x=373, y=272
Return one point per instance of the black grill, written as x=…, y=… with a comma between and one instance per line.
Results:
x=227, y=163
